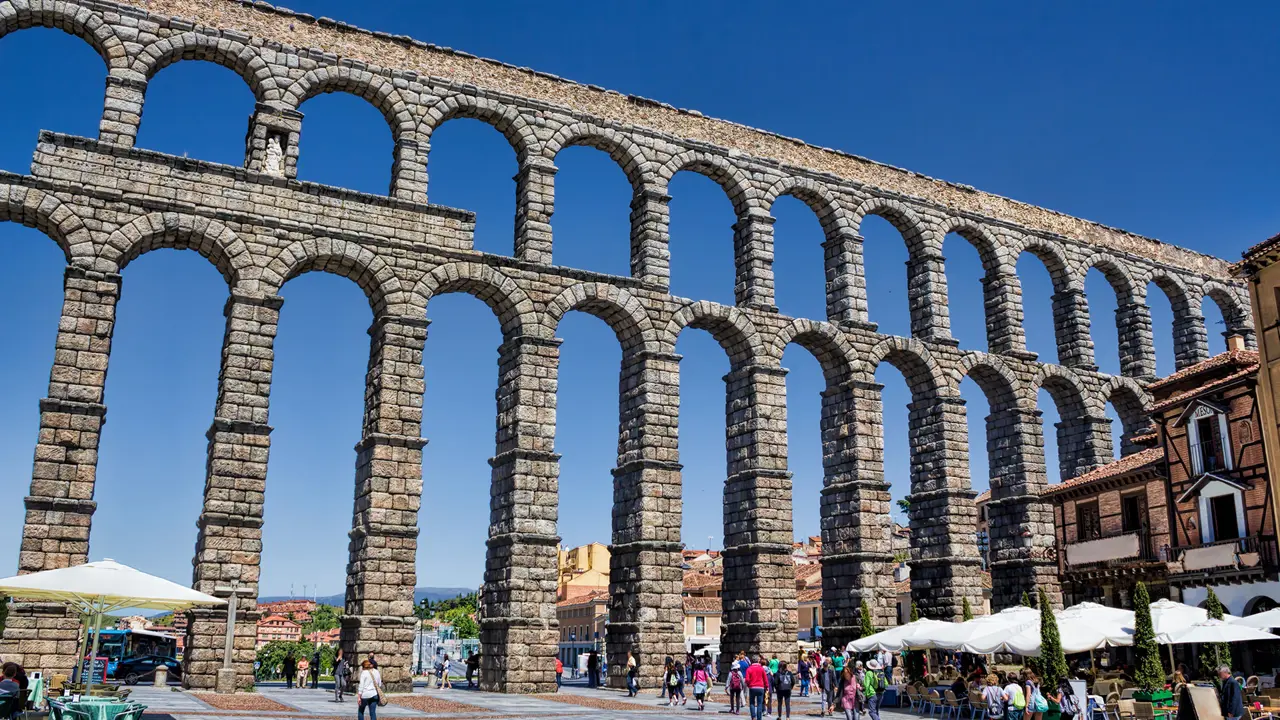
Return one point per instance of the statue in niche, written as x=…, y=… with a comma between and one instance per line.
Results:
x=274, y=164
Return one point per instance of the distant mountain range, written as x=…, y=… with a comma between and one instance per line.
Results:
x=432, y=593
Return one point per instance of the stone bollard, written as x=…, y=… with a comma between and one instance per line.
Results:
x=162, y=676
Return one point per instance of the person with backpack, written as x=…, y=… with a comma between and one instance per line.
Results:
x=1037, y=705
x=873, y=687
x=1062, y=702
x=993, y=695
x=783, y=681
x=734, y=686
x=701, y=684
x=1015, y=702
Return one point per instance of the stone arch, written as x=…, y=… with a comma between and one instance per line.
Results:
x=1117, y=275
x=735, y=181
x=504, y=118
x=619, y=309
x=1067, y=390
x=988, y=247
x=913, y=229
x=910, y=356
x=1130, y=401
x=629, y=156
x=1175, y=288
x=1054, y=257
x=817, y=196
x=210, y=238
x=516, y=313
x=69, y=18
x=375, y=89
x=996, y=380
x=49, y=215
x=243, y=60
x=346, y=259
x=728, y=325
x=1235, y=309
x=827, y=344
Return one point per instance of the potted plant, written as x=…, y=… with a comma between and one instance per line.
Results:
x=1149, y=675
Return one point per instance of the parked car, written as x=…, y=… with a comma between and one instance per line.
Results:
x=142, y=667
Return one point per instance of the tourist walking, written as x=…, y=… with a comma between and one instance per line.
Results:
x=303, y=666
x=1036, y=702
x=757, y=679
x=783, y=682
x=734, y=686
x=593, y=667
x=993, y=695
x=666, y=670
x=368, y=691
x=290, y=671
x=829, y=682
x=341, y=671
x=850, y=694
x=442, y=675
x=873, y=687
x=1229, y=697
x=1015, y=702
x=315, y=670
x=701, y=684
x=633, y=676
x=559, y=673
x=802, y=669
x=473, y=666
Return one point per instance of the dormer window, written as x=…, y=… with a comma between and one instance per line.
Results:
x=1210, y=444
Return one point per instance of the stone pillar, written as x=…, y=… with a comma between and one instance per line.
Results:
x=1002, y=300
x=271, y=144
x=1084, y=443
x=59, y=508
x=927, y=297
x=759, y=596
x=650, y=242
x=519, y=632
x=1020, y=523
x=846, y=280
x=381, y=573
x=409, y=168
x=857, y=559
x=1190, y=338
x=122, y=109
x=1137, y=348
x=229, y=544
x=753, y=258
x=535, y=202
x=1071, y=322
x=646, y=614
x=944, y=519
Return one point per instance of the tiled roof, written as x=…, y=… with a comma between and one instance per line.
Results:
x=813, y=595
x=587, y=599
x=702, y=605
x=986, y=580
x=1123, y=466
x=808, y=574
x=984, y=496
x=1203, y=389
x=903, y=587
x=1257, y=251
x=698, y=581
x=1237, y=358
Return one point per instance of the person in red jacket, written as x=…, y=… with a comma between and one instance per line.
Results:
x=559, y=673
x=757, y=679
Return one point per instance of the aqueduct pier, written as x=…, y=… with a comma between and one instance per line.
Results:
x=106, y=203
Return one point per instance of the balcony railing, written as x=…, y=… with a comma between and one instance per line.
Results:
x=1230, y=555
x=1110, y=550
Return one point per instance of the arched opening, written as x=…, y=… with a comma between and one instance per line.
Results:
x=317, y=404
x=805, y=384
x=345, y=142
x=32, y=294
x=885, y=256
x=197, y=109
x=160, y=391
x=1050, y=419
x=894, y=399
x=586, y=428
x=1161, y=306
x=966, y=300
x=470, y=167
x=1103, y=302
x=461, y=371
x=977, y=409
x=701, y=232
x=702, y=438
x=1129, y=420
x=799, y=273
x=592, y=221
x=59, y=88
x=1038, y=319
x=1215, y=325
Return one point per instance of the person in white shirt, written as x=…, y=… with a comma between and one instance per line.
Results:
x=367, y=690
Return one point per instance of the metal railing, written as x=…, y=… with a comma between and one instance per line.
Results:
x=1250, y=552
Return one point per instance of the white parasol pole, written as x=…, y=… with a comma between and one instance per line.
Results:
x=97, y=633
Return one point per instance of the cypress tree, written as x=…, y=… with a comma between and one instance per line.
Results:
x=1214, y=654
x=1149, y=675
x=915, y=612
x=864, y=619
x=1026, y=601
x=1053, y=663
x=968, y=611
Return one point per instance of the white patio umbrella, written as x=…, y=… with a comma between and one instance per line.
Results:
x=915, y=634
x=1263, y=620
x=1082, y=628
x=1218, y=631
x=100, y=587
x=1169, y=618
x=1006, y=622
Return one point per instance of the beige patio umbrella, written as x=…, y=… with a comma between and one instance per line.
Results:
x=100, y=587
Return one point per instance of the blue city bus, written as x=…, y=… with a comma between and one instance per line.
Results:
x=116, y=645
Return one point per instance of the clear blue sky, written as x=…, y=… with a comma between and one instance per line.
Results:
x=1155, y=117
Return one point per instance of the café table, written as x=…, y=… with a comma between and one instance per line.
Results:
x=94, y=708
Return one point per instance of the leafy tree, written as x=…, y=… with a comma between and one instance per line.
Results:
x=864, y=619
x=915, y=612
x=968, y=611
x=1053, y=663
x=904, y=505
x=469, y=601
x=1214, y=654
x=271, y=656
x=1026, y=600
x=464, y=626
x=324, y=617
x=1149, y=675
x=165, y=620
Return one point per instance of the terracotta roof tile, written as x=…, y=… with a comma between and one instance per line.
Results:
x=812, y=595
x=903, y=586
x=589, y=598
x=1256, y=251
x=1203, y=389
x=702, y=605
x=698, y=580
x=807, y=574
x=1238, y=358
x=1123, y=466
x=984, y=496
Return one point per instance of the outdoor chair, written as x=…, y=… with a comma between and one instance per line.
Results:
x=1125, y=710
x=914, y=700
x=933, y=701
x=10, y=704
x=1113, y=697
x=1103, y=687
x=950, y=705
x=1127, y=693
x=977, y=705
x=134, y=712
x=1251, y=685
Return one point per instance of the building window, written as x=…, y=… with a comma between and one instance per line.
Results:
x=1210, y=447
x=1088, y=521
x=700, y=626
x=1133, y=513
x=1221, y=512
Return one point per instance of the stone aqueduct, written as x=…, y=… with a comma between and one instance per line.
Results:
x=105, y=203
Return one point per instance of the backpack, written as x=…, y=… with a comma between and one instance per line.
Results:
x=672, y=679
x=1068, y=704
x=1038, y=703
x=786, y=681
x=735, y=680
x=1019, y=701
